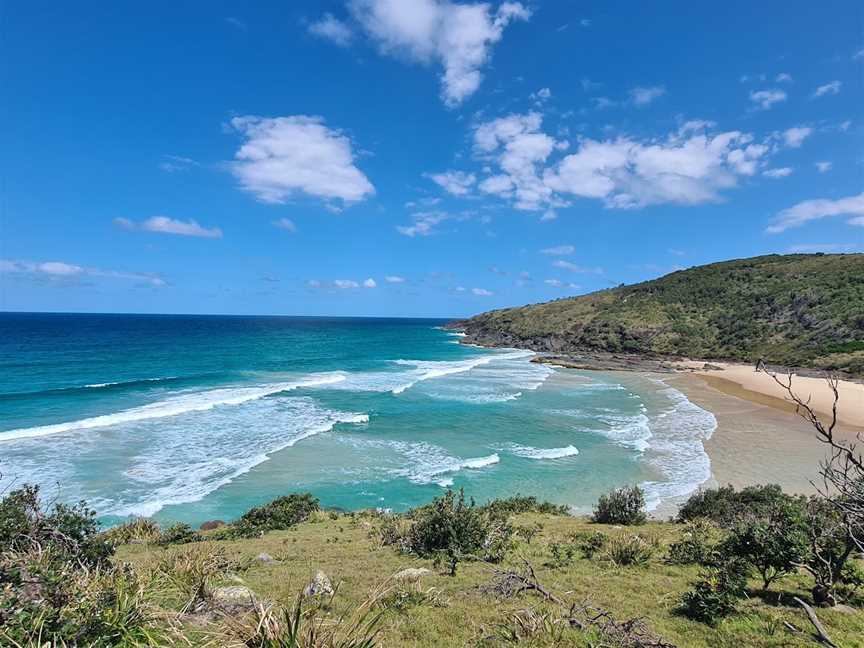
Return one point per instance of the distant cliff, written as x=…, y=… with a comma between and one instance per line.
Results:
x=802, y=309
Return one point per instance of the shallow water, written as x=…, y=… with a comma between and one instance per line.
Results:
x=193, y=418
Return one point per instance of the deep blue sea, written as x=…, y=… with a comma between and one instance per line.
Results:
x=192, y=418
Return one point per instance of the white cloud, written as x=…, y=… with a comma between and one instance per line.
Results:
x=343, y=284
x=811, y=210
x=332, y=29
x=548, y=215
x=482, y=292
x=65, y=272
x=286, y=224
x=394, y=279
x=796, y=135
x=859, y=54
x=783, y=77
x=424, y=223
x=457, y=183
x=457, y=36
x=313, y=283
x=572, y=267
x=165, y=225
x=285, y=155
x=831, y=88
x=764, y=99
x=370, y=283
x=173, y=163
x=543, y=94
x=780, y=172
x=823, y=167
x=558, y=250
x=553, y=282
x=689, y=166
x=642, y=96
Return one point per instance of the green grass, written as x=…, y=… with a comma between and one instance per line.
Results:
x=801, y=309
x=460, y=613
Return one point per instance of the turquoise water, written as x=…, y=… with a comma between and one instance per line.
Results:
x=192, y=418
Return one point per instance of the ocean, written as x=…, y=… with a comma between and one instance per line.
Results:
x=192, y=418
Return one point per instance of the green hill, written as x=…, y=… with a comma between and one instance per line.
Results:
x=802, y=310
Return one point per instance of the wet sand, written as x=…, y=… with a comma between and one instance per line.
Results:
x=759, y=438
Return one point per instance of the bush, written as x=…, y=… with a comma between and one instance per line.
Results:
x=454, y=528
x=625, y=550
x=698, y=544
x=524, y=504
x=178, y=533
x=716, y=594
x=624, y=506
x=69, y=531
x=774, y=542
x=591, y=543
x=281, y=513
x=725, y=505
x=562, y=553
x=136, y=530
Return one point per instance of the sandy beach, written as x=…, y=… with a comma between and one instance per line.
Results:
x=759, y=438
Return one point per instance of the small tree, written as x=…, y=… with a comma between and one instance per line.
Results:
x=774, y=544
x=624, y=506
x=829, y=548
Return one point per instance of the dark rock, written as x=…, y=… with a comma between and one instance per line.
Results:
x=211, y=524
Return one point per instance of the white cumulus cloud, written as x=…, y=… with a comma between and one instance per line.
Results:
x=345, y=283
x=482, y=292
x=332, y=29
x=810, y=210
x=370, y=283
x=394, y=279
x=780, y=172
x=66, y=272
x=166, y=225
x=424, y=223
x=572, y=267
x=457, y=36
x=796, y=135
x=282, y=156
x=831, y=88
x=824, y=166
x=457, y=183
x=764, y=99
x=558, y=250
x=641, y=96
x=286, y=224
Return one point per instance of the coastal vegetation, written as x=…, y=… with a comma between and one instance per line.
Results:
x=798, y=310
x=729, y=570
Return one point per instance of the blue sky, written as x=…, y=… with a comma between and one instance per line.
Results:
x=415, y=158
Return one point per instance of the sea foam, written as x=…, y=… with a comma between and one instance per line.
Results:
x=542, y=453
x=196, y=401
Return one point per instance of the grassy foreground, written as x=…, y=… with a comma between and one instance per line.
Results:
x=444, y=610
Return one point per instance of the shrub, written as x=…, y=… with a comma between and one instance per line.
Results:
x=624, y=506
x=136, y=530
x=830, y=546
x=70, y=531
x=453, y=528
x=178, y=533
x=725, y=505
x=282, y=513
x=698, y=544
x=591, y=543
x=524, y=504
x=625, y=550
x=774, y=542
x=527, y=532
x=716, y=594
x=562, y=553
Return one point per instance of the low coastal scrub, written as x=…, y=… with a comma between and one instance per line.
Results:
x=625, y=506
x=451, y=572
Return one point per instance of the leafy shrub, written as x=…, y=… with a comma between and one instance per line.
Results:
x=625, y=550
x=282, y=513
x=851, y=580
x=562, y=553
x=591, y=543
x=773, y=542
x=178, y=533
x=624, y=506
x=449, y=526
x=70, y=531
x=830, y=548
x=698, y=544
x=524, y=504
x=716, y=594
x=528, y=531
x=136, y=530
x=725, y=505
